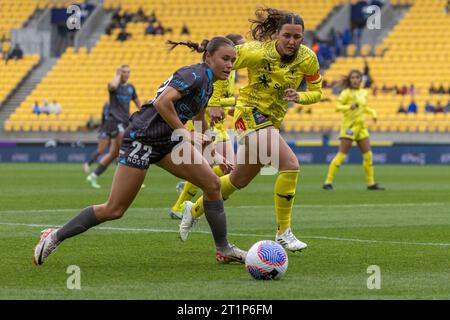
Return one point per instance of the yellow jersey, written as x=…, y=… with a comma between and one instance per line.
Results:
x=269, y=77
x=355, y=117
x=223, y=94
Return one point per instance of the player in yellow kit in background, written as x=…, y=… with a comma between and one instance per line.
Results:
x=220, y=104
x=352, y=102
x=276, y=62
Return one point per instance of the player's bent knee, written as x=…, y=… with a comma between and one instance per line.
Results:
x=213, y=185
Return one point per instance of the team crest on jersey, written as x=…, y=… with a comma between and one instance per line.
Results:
x=259, y=118
x=239, y=125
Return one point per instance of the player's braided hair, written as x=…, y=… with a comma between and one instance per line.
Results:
x=206, y=46
x=345, y=82
x=269, y=21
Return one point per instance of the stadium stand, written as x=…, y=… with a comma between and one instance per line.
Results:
x=78, y=81
x=417, y=52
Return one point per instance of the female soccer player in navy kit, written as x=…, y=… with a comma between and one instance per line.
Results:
x=148, y=140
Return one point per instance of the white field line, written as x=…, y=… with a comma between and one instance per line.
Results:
x=148, y=230
x=311, y=206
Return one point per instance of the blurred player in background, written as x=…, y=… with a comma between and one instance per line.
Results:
x=103, y=140
x=352, y=102
x=221, y=103
x=149, y=140
x=276, y=63
x=120, y=95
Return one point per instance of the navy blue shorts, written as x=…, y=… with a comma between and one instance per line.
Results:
x=141, y=154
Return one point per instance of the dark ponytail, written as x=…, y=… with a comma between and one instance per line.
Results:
x=269, y=21
x=209, y=46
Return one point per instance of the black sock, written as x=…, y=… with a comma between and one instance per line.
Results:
x=215, y=215
x=93, y=157
x=100, y=169
x=85, y=220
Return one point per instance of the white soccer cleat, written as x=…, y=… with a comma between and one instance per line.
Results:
x=86, y=168
x=175, y=214
x=93, y=181
x=46, y=245
x=289, y=241
x=230, y=254
x=187, y=221
x=180, y=187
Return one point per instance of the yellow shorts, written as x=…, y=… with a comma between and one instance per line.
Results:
x=247, y=121
x=220, y=133
x=355, y=133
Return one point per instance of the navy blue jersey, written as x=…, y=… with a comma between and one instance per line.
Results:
x=195, y=84
x=119, y=101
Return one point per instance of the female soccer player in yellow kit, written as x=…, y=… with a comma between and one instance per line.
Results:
x=352, y=103
x=276, y=63
x=219, y=105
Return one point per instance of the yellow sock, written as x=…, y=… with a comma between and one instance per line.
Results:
x=189, y=191
x=284, y=193
x=227, y=189
x=334, y=165
x=368, y=167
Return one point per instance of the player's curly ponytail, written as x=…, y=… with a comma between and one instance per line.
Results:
x=206, y=46
x=269, y=21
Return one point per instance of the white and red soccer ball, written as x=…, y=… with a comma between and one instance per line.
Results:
x=266, y=260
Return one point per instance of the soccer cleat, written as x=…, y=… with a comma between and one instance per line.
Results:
x=289, y=241
x=229, y=254
x=46, y=245
x=93, y=181
x=375, y=186
x=175, y=214
x=187, y=221
x=327, y=186
x=86, y=168
x=143, y=186
x=180, y=186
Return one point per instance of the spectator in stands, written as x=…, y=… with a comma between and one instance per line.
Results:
x=412, y=90
x=447, y=107
x=367, y=79
x=185, y=30
x=439, y=108
x=412, y=108
x=402, y=108
x=346, y=40
x=441, y=89
x=432, y=89
x=45, y=107
x=152, y=18
x=16, y=53
x=150, y=29
x=123, y=35
x=385, y=88
x=139, y=16
x=429, y=108
x=55, y=107
x=447, y=7
x=403, y=91
x=35, y=108
x=160, y=29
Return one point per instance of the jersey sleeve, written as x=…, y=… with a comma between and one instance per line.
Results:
x=248, y=54
x=218, y=98
x=313, y=81
x=185, y=81
x=344, y=102
x=134, y=96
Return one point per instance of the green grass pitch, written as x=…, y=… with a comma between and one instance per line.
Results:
x=405, y=231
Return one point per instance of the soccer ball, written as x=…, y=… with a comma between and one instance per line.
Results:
x=266, y=260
